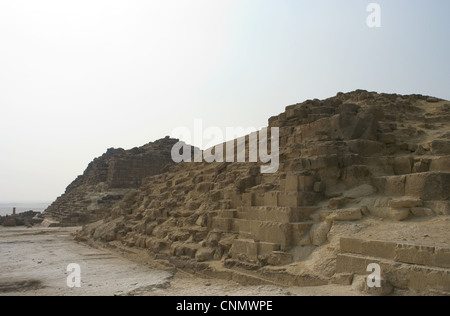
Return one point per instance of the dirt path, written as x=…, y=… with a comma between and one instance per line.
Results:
x=34, y=262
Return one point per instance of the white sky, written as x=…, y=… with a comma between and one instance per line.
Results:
x=78, y=77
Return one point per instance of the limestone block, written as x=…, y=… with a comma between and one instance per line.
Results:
x=440, y=164
x=227, y=213
x=290, y=199
x=266, y=248
x=279, y=258
x=365, y=147
x=351, y=245
x=403, y=165
x=391, y=186
x=319, y=187
x=405, y=202
x=271, y=198
x=439, y=207
x=248, y=199
x=222, y=224
x=422, y=211
x=278, y=233
x=360, y=191
x=351, y=214
x=415, y=254
x=390, y=213
x=440, y=147
x=387, y=138
x=442, y=257
x=292, y=183
x=336, y=203
x=204, y=254
x=438, y=279
x=244, y=248
x=306, y=183
x=428, y=185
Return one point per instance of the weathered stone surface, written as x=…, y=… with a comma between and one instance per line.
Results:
x=351, y=214
x=428, y=186
x=403, y=165
x=390, y=213
x=319, y=233
x=440, y=147
x=440, y=164
x=204, y=254
x=360, y=191
x=279, y=258
x=405, y=202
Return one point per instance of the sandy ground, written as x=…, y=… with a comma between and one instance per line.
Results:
x=34, y=262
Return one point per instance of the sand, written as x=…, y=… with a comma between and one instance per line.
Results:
x=34, y=261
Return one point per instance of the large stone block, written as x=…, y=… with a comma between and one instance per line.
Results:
x=266, y=248
x=403, y=165
x=442, y=257
x=365, y=147
x=391, y=186
x=351, y=245
x=244, y=249
x=222, y=224
x=278, y=233
x=428, y=186
x=380, y=249
x=292, y=183
x=351, y=214
x=415, y=254
x=390, y=213
x=350, y=125
x=429, y=279
x=248, y=199
x=271, y=214
x=440, y=164
x=439, y=207
x=440, y=147
x=271, y=198
x=290, y=199
x=405, y=202
x=306, y=182
x=272, y=232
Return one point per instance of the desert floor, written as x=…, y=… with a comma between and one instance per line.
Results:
x=34, y=262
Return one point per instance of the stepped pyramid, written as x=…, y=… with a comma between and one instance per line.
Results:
x=105, y=181
x=348, y=165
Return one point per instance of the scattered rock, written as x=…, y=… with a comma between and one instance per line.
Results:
x=204, y=254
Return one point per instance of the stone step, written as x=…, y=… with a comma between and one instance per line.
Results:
x=400, y=275
x=427, y=186
x=411, y=253
x=285, y=234
x=275, y=214
x=228, y=213
x=249, y=250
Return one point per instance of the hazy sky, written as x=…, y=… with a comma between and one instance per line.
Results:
x=78, y=77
